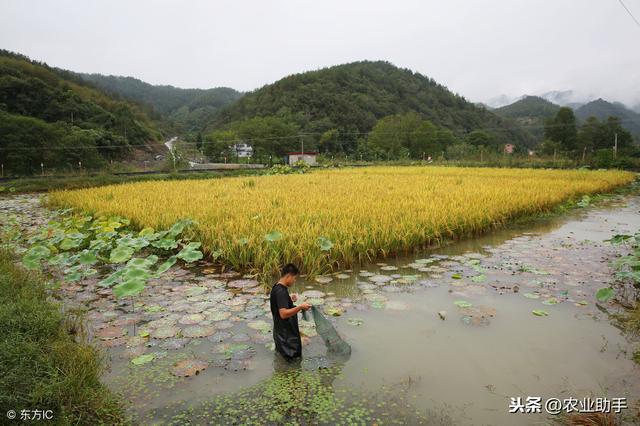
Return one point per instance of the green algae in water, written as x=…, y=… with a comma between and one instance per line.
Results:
x=298, y=397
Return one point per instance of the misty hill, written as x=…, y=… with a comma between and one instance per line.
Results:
x=602, y=110
x=189, y=110
x=530, y=112
x=351, y=98
x=49, y=116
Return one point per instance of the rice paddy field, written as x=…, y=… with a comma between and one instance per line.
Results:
x=332, y=219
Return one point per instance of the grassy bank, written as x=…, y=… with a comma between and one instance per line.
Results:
x=53, y=183
x=44, y=363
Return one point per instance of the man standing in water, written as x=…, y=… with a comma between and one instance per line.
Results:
x=286, y=334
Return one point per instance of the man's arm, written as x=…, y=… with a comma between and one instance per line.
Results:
x=288, y=313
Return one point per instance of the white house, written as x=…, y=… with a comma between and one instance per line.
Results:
x=308, y=157
x=243, y=150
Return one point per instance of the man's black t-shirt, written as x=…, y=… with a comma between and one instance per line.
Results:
x=286, y=334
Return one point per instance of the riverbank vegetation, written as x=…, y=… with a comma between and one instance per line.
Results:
x=334, y=218
x=45, y=362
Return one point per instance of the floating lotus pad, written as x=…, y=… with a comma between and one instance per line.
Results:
x=224, y=325
x=389, y=268
x=236, y=301
x=343, y=276
x=312, y=294
x=188, y=367
x=462, y=304
x=243, y=284
x=191, y=319
x=334, y=310
x=198, y=331
x=323, y=280
x=380, y=279
x=195, y=291
x=172, y=344
x=366, y=286
x=218, y=315
x=142, y=359
x=240, y=338
x=111, y=333
x=260, y=325
x=220, y=336
x=235, y=350
x=165, y=332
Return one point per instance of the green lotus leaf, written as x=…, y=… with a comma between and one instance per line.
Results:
x=135, y=273
x=129, y=288
x=462, y=304
x=73, y=276
x=325, y=244
x=59, y=259
x=121, y=254
x=540, y=313
x=164, y=267
x=87, y=258
x=69, y=243
x=31, y=261
x=39, y=251
x=146, y=232
x=143, y=359
x=604, y=294
x=112, y=279
x=165, y=244
x=191, y=256
x=140, y=262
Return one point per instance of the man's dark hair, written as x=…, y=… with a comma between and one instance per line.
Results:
x=289, y=268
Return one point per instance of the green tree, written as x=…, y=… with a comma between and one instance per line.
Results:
x=269, y=135
x=402, y=135
x=562, y=129
x=216, y=144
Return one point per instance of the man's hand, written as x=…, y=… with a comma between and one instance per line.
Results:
x=294, y=297
x=305, y=306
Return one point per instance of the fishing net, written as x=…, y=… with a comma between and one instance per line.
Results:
x=335, y=344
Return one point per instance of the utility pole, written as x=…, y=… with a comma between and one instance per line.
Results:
x=584, y=153
x=302, y=146
x=615, y=146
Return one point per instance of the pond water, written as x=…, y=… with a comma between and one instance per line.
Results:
x=444, y=336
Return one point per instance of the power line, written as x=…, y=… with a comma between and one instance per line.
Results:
x=629, y=12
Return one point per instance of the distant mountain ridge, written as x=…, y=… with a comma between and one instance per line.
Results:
x=50, y=118
x=532, y=111
x=602, y=110
x=352, y=97
x=189, y=110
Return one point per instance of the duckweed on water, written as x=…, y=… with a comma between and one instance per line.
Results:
x=300, y=397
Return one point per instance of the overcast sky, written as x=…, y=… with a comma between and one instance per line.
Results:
x=478, y=48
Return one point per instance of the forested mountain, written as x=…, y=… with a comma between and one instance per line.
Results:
x=344, y=102
x=531, y=112
x=188, y=110
x=49, y=117
x=602, y=110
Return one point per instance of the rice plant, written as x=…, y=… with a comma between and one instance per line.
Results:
x=332, y=219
